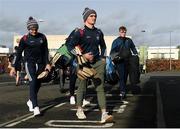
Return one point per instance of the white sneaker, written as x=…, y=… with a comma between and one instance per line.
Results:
x=122, y=94
x=36, y=111
x=105, y=118
x=125, y=102
x=72, y=100
x=85, y=102
x=29, y=104
x=80, y=114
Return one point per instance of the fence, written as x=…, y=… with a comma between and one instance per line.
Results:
x=161, y=65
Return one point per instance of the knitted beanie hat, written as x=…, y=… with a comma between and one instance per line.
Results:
x=87, y=12
x=32, y=23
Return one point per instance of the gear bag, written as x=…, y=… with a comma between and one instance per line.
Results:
x=62, y=57
x=122, y=53
x=111, y=75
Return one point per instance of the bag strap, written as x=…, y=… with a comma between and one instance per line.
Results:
x=81, y=31
x=25, y=37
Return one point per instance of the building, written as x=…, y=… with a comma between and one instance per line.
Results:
x=4, y=51
x=4, y=58
x=163, y=52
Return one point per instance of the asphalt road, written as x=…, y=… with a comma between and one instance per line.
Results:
x=156, y=106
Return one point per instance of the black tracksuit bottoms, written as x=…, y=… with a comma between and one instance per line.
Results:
x=32, y=70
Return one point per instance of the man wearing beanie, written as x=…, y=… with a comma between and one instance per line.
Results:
x=36, y=57
x=90, y=39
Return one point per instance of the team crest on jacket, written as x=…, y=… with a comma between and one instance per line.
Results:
x=41, y=41
x=97, y=37
x=88, y=37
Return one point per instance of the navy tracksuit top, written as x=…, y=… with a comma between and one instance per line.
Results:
x=35, y=50
x=89, y=40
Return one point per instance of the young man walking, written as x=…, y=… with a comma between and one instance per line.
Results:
x=122, y=50
x=89, y=40
x=36, y=57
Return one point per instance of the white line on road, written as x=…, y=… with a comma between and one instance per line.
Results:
x=15, y=123
x=118, y=101
x=128, y=95
x=109, y=101
x=3, y=83
x=118, y=110
x=87, y=109
x=17, y=119
x=160, y=114
x=59, y=105
x=25, y=117
x=97, y=110
x=121, y=109
x=54, y=123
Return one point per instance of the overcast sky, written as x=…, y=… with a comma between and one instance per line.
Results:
x=156, y=17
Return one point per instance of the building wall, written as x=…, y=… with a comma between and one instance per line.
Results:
x=163, y=53
x=3, y=59
x=3, y=63
x=4, y=50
